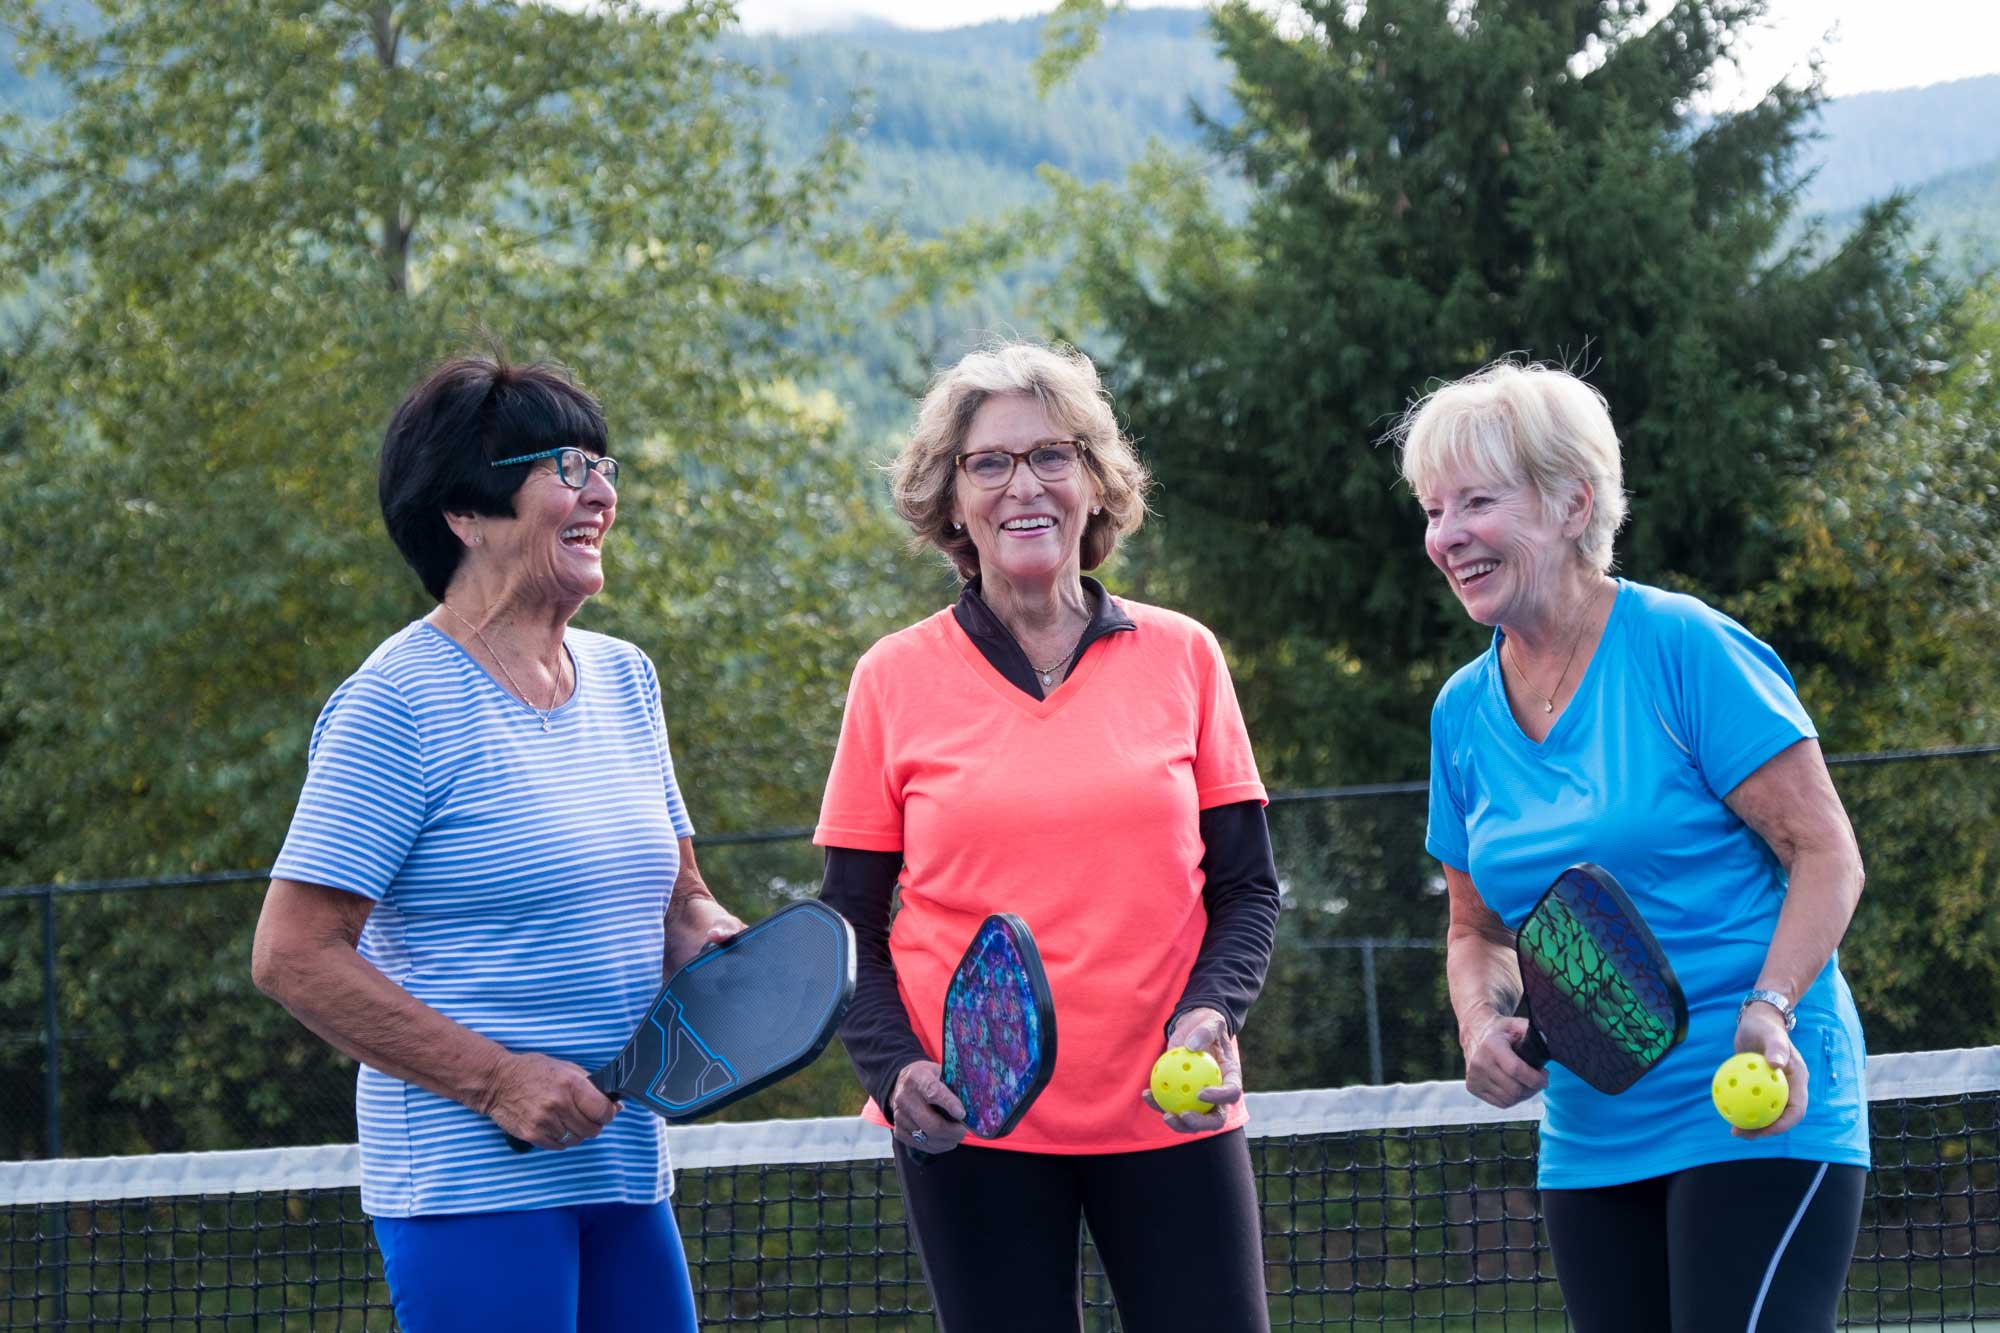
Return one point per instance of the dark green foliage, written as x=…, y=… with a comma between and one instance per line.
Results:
x=1434, y=190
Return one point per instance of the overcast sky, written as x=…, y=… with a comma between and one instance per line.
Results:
x=1874, y=44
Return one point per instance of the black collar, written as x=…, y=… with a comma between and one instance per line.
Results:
x=1000, y=648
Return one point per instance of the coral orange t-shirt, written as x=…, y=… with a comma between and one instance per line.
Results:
x=1079, y=813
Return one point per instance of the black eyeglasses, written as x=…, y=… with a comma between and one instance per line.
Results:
x=1052, y=460
x=573, y=466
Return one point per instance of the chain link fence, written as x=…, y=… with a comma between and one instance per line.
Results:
x=128, y=1022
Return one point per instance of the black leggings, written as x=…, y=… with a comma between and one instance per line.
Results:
x=1759, y=1246
x=1178, y=1229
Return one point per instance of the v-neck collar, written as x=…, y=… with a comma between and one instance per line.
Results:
x=976, y=661
x=1002, y=651
x=1587, y=686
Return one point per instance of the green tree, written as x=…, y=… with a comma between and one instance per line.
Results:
x=269, y=218
x=1888, y=591
x=1436, y=185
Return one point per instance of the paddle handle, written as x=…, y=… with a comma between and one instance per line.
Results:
x=1532, y=1049
x=602, y=1080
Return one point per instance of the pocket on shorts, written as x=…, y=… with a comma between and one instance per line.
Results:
x=1838, y=1085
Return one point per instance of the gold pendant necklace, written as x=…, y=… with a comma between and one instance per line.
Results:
x=543, y=713
x=1520, y=672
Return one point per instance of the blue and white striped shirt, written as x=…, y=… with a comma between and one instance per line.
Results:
x=520, y=881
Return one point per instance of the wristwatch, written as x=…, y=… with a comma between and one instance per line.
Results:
x=1775, y=1000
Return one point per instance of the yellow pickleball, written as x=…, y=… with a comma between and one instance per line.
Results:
x=1180, y=1075
x=1749, y=1092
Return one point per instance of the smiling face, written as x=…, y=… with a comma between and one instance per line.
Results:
x=1030, y=531
x=551, y=551
x=1508, y=562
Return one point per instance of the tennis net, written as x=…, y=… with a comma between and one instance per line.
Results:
x=1400, y=1207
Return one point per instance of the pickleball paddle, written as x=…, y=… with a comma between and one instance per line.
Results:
x=737, y=1017
x=999, y=1027
x=1597, y=990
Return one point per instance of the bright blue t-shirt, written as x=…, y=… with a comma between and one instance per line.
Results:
x=520, y=880
x=1678, y=705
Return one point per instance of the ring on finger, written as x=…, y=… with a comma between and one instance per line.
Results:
x=918, y=1136
x=568, y=1136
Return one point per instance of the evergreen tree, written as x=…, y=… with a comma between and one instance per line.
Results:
x=1436, y=185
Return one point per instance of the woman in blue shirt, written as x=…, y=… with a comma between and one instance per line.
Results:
x=487, y=874
x=1642, y=730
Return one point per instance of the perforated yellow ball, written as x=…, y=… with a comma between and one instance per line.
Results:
x=1749, y=1092
x=1180, y=1075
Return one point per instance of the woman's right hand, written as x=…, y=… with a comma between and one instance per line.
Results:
x=1494, y=1071
x=927, y=1115
x=548, y=1102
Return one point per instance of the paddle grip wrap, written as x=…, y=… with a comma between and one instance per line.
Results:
x=1532, y=1050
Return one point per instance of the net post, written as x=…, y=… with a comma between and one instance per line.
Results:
x=51, y=1078
x=55, y=1221
x=1374, y=1012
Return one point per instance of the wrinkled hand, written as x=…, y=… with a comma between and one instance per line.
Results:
x=1494, y=1071
x=713, y=924
x=1763, y=1031
x=1205, y=1029
x=547, y=1102
x=921, y=1101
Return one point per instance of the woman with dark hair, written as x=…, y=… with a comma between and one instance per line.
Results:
x=487, y=875
x=1047, y=749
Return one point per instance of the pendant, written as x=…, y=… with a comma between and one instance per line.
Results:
x=545, y=724
x=1048, y=678
x=1548, y=707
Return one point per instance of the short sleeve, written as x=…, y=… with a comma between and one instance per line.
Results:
x=863, y=805
x=1736, y=700
x=1445, y=838
x=1225, y=767
x=676, y=807
x=363, y=803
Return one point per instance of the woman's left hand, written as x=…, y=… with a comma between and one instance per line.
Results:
x=1761, y=1030
x=1205, y=1029
x=705, y=923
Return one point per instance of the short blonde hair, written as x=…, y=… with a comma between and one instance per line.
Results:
x=1066, y=384
x=1522, y=422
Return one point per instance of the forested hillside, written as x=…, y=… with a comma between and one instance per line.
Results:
x=949, y=128
x=1872, y=143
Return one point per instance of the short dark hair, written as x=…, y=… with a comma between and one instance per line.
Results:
x=469, y=412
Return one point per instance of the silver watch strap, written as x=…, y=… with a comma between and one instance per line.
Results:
x=1775, y=1000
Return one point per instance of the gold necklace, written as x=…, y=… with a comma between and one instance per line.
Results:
x=543, y=713
x=1549, y=699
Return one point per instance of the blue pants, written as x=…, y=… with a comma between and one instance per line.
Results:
x=591, y=1268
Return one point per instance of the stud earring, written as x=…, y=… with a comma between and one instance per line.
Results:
x=956, y=526
x=1096, y=509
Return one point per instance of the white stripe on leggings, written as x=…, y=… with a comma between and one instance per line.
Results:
x=1771, y=1271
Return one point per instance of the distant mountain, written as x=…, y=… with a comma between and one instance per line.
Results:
x=1873, y=143
x=955, y=129
x=1959, y=211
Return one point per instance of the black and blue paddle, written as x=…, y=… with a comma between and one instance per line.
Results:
x=738, y=1017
